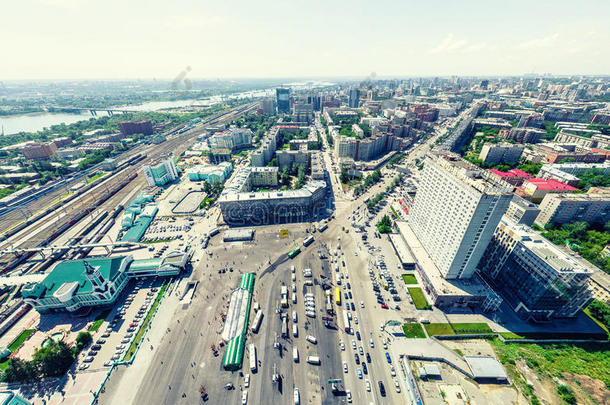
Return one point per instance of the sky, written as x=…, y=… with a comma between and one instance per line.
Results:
x=158, y=39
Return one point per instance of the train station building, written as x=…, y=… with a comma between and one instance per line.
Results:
x=76, y=284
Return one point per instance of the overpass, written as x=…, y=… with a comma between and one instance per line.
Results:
x=92, y=110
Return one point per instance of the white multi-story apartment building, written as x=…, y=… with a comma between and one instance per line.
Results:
x=456, y=210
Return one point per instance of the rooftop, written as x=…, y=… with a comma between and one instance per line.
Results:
x=511, y=173
x=549, y=184
x=70, y=275
x=485, y=367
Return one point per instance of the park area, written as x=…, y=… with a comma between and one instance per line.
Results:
x=413, y=330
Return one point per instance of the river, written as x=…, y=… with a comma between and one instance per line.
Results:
x=33, y=122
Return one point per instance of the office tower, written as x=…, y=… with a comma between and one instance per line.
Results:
x=354, y=98
x=456, y=209
x=282, y=96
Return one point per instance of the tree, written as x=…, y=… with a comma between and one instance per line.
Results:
x=83, y=339
x=19, y=370
x=54, y=359
x=385, y=225
x=344, y=177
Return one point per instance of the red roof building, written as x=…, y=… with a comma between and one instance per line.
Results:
x=537, y=188
x=513, y=176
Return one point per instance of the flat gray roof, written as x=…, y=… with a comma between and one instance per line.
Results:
x=485, y=367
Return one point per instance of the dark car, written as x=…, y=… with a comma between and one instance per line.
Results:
x=357, y=358
x=353, y=306
x=368, y=357
x=365, y=370
x=349, y=287
x=358, y=335
x=381, y=389
x=350, y=294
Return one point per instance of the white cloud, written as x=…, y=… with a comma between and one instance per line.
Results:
x=65, y=4
x=449, y=43
x=544, y=42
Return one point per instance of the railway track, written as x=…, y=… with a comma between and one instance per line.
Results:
x=107, y=197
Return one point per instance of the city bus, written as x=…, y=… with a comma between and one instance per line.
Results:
x=256, y=324
x=308, y=241
x=284, y=327
x=253, y=361
x=329, y=306
x=322, y=228
x=338, y=296
x=294, y=252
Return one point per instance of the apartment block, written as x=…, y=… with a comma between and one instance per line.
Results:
x=522, y=211
x=537, y=279
x=39, y=151
x=501, y=153
x=563, y=208
x=456, y=209
x=233, y=139
x=162, y=173
x=536, y=189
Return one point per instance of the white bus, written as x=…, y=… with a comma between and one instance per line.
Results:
x=253, y=360
x=256, y=324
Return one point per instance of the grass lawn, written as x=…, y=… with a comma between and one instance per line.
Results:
x=439, y=329
x=469, y=328
x=409, y=278
x=15, y=345
x=144, y=326
x=592, y=359
x=394, y=212
x=601, y=325
x=413, y=330
x=419, y=300
x=97, y=176
x=98, y=321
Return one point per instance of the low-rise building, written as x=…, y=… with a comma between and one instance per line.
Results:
x=76, y=284
x=136, y=127
x=535, y=189
x=240, y=205
x=210, y=173
x=516, y=177
x=39, y=151
x=537, y=279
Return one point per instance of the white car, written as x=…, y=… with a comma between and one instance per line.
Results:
x=361, y=304
x=397, y=386
x=345, y=367
x=354, y=344
x=342, y=345
x=367, y=383
x=348, y=394
x=247, y=380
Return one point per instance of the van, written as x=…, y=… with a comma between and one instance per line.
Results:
x=294, y=316
x=310, y=314
x=315, y=360
x=311, y=339
x=295, y=330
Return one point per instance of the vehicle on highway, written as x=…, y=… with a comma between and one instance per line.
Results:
x=361, y=304
x=345, y=367
x=342, y=345
x=393, y=371
x=387, y=356
x=359, y=371
x=361, y=350
x=358, y=335
x=371, y=343
x=354, y=344
x=367, y=383
x=365, y=370
x=368, y=357
x=381, y=388
x=397, y=386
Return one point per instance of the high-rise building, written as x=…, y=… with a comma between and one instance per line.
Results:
x=267, y=106
x=282, y=96
x=563, y=208
x=456, y=209
x=537, y=279
x=354, y=98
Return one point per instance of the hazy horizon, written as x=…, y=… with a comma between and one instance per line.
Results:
x=138, y=40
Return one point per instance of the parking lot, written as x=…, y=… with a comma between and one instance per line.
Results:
x=112, y=340
x=165, y=229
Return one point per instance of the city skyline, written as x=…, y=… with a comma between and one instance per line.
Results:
x=78, y=39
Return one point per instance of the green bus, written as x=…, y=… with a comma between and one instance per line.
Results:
x=294, y=252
